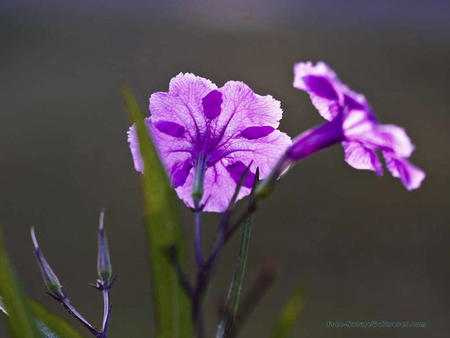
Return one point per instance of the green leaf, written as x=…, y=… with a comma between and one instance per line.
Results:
x=227, y=323
x=46, y=332
x=20, y=322
x=56, y=324
x=47, y=322
x=289, y=315
x=172, y=306
x=2, y=306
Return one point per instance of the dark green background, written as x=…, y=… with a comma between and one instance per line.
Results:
x=369, y=249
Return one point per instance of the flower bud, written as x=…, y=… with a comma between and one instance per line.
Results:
x=50, y=279
x=103, y=262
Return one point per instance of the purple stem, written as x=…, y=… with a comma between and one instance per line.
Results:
x=106, y=310
x=204, y=276
x=65, y=301
x=198, y=239
x=182, y=278
x=262, y=189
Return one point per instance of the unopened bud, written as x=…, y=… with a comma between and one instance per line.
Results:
x=103, y=262
x=50, y=279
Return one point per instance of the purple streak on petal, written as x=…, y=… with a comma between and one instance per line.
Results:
x=328, y=102
x=252, y=133
x=211, y=104
x=329, y=95
x=170, y=128
x=352, y=103
x=410, y=175
x=180, y=172
x=134, y=147
x=360, y=157
x=320, y=86
x=237, y=169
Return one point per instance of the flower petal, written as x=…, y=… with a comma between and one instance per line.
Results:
x=175, y=153
x=410, y=175
x=326, y=97
x=219, y=188
x=241, y=109
x=394, y=138
x=264, y=152
x=328, y=94
x=134, y=146
x=182, y=104
x=360, y=157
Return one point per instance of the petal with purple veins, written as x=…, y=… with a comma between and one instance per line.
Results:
x=242, y=108
x=410, y=175
x=264, y=152
x=182, y=104
x=360, y=157
x=329, y=101
x=328, y=94
x=134, y=147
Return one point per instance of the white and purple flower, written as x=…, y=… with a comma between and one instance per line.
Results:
x=222, y=129
x=353, y=123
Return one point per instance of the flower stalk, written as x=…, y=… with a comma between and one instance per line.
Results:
x=56, y=290
x=104, y=282
x=104, y=268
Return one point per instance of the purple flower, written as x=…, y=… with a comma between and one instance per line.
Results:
x=353, y=123
x=196, y=125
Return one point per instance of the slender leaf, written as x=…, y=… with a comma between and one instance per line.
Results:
x=226, y=325
x=20, y=321
x=173, y=316
x=2, y=306
x=289, y=315
x=44, y=319
x=56, y=324
x=45, y=330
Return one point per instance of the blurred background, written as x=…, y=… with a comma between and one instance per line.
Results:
x=369, y=249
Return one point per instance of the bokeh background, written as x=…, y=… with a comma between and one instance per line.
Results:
x=369, y=249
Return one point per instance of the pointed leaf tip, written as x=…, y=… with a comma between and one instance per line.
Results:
x=290, y=313
x=33, y=238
